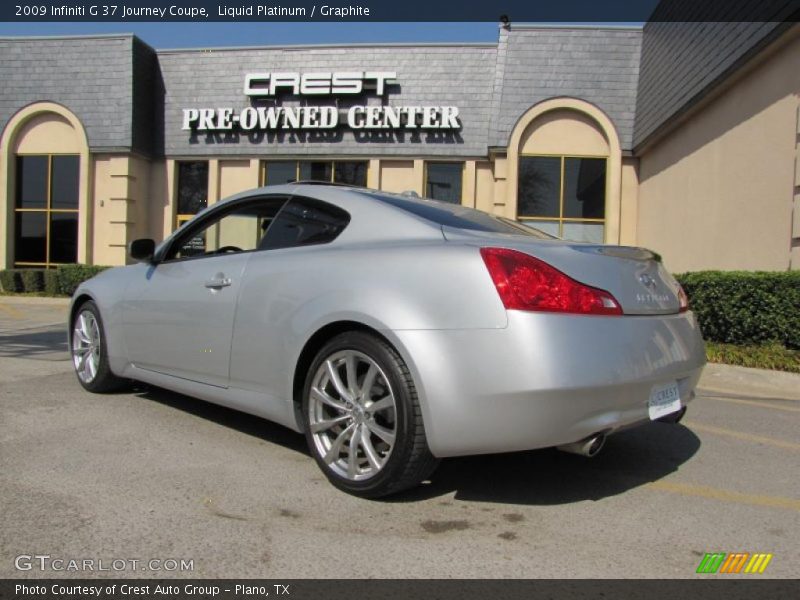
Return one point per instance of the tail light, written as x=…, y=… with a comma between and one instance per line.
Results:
x=683, y=298
x=527, y=283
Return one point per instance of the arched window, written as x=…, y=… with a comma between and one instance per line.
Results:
x=44, y=174
x=564, y=170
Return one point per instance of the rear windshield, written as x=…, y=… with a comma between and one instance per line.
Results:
x=460, y=217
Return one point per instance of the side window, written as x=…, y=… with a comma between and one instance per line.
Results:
x=239, y=229
x=304, y=221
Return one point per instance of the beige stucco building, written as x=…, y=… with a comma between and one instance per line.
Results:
x=592, y=133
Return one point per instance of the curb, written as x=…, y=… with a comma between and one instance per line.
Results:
x=744, y=380
x=35, y=300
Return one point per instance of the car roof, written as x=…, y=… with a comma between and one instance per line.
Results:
x=371, y=219
x=377, y=215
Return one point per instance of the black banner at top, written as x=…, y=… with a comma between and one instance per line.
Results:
x=406, y=10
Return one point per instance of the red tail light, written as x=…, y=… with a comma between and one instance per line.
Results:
x=527, y=283
x=683, y=298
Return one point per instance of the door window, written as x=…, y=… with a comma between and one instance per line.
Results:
x=238, y=229
x=263, y=224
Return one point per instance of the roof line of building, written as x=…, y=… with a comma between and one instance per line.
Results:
x=287, y=47
x=300, y=47
x=79, y=36
x=526, y=26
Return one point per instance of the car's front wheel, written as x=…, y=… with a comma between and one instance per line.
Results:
x=362, y=417
x=89, y=351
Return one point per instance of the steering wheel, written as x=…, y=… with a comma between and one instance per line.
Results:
x=225, y=249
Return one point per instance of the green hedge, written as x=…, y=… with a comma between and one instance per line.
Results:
x=52, y=283
x=62, y=281
x=746, y=308
x=71, y=276
x=32, y=280
x=11, y=280
x=764, y=356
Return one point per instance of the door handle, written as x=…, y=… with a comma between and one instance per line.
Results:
x=218, y=282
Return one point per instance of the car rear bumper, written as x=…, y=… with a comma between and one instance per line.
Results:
x=547, y=379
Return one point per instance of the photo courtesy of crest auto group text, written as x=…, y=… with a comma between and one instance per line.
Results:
x=375, y=300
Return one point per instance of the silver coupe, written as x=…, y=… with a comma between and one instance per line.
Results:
x=392, y=330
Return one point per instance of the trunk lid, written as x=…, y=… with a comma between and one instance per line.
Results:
x=640, y=284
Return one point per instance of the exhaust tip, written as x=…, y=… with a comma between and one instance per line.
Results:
x=588, y=447
x=596, y=445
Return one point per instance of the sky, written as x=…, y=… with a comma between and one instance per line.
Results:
x=195, y=35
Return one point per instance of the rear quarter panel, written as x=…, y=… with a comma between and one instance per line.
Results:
x=290, y=294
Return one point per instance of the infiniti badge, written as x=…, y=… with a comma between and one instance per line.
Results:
x=647, y=280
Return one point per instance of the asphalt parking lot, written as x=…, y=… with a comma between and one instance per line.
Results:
x=150, y=474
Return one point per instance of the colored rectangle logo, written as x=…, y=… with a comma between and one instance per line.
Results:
x=733, y=563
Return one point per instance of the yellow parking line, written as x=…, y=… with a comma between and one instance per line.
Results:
x=11, y=311
x=741, y=435
x=712, y=493
x=751, y=403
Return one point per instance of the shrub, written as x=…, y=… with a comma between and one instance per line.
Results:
x=52, y=286
x=11, y=280
x=32, y=280
x=71, y=276
x=767, y=356
x=744, y=308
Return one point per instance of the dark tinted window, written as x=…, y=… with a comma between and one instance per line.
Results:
x=539, y=188
x=315, y=171
x=279, y=172
x=351, y=172
x=304, y=221
x=65, y=182
x=192, y=187
x=31, y=237
x=32, y=181
x=63, y=237
x=458, y=216
x=584, y=188
x=443, y=181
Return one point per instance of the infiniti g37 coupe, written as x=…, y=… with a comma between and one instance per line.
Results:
x=393, y=331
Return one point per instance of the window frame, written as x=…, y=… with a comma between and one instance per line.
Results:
x=47, y=210
x=264, y=165
x=447, y=162
x=301, y=198
x=214, y=213
x=560, y=220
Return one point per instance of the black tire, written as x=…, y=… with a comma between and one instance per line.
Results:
x=410, y=461
x=104, y=380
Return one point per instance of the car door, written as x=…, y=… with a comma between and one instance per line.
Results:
x=178, y=318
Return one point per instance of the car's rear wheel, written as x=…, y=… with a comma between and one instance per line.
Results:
x=90, y=353
x=362, y=417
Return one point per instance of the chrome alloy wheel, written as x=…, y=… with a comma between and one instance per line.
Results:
x=86, y=346
x=352, y=415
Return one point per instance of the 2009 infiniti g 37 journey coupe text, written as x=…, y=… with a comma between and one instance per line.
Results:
x=392, y=330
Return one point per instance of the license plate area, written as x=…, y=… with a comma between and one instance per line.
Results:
x=665, y=399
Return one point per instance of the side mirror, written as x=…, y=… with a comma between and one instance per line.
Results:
x=142, y=250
